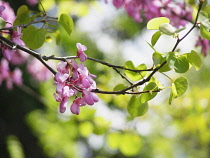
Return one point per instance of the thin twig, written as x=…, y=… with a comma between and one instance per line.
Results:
x=115, y=66
x=123, y=76
x=43, y=20
x=52, y=57
x=123, y=92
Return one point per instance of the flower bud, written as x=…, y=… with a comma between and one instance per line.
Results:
x=167, y=29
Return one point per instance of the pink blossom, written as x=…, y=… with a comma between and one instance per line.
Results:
x=90, y=97
x=7, y=13
x=17, y=76
x=9, y=77
x=2, y=8
x=59, y=87
x=77, y=103
x=80, y=53
x=7, y=53
x=4, y=70
x=38, y=70
x=133, y=9
x=118, y=3
x=61, y=77
x=32, y=2
x=204, y=44
x=67, y=92
x=16, y=37
x=15, y=56
x=178, y=12
x=63, y=105
x=63, y=67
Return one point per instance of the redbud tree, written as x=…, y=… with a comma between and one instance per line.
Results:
x=25, y=31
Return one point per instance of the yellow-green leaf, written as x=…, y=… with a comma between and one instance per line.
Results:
x=194, y=59
x=136, y=108
x=179, y=87
x=67, y=23
x=154, y=24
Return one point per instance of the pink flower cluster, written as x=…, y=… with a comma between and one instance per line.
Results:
x=205, y=45
x=178, y=12
x=73, y=78
x=10, y=78
x=15, y=56
x=10, y=56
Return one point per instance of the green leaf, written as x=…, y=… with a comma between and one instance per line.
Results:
x=130, y=144
x=155, y=37
x=154, y=24
x=119, y=87
x=23, y=16
x=171, y=59
x=135, y=76
x=173, y=90
x=159, y=59
x=204, y=33
x=202, y=17
x=181, y=65
x=194, y=59
x=67, y=23
x=179, y=87
x=2, y=23
x=58, y=37
x=136, y=108
x=171, y=98
x=148, y=96
x=33, y=37
x=204, y=20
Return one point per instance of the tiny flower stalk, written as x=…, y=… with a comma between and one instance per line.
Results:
x=73, y=78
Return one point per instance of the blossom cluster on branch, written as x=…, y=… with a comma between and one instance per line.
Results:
x=73, y=78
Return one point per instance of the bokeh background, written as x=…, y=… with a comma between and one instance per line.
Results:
x=32, y=127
